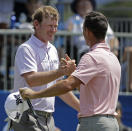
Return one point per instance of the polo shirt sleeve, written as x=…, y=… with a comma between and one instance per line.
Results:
x=25, y=60
x=86, y=69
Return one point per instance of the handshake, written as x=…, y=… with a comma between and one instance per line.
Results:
x=67, y=66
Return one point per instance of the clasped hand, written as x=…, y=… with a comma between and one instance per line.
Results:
x=67, y=66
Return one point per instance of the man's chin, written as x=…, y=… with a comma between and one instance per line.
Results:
x=51, y=38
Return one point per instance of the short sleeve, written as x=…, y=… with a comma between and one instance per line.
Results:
x=86, y=69
x=25, y=60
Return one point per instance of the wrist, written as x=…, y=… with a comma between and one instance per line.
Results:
x=35, y=95
x=59, y=72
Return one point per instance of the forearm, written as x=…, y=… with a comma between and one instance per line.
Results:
x=59, y=88
x=41, y=78
x=70, y=99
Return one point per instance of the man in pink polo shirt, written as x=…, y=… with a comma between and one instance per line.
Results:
x=97, y=75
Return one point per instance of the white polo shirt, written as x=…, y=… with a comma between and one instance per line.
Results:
x=34, y=55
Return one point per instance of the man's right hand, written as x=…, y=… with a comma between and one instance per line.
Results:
x=27, y=93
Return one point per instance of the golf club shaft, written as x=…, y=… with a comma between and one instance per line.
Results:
x=34, y=114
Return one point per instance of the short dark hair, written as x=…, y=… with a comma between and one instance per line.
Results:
x=97, y=23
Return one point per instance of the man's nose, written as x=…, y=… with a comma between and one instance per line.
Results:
x=54, y=29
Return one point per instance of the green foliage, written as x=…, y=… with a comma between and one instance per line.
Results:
x=117, y=9
x=119, y=4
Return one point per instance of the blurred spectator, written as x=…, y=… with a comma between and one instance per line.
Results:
x=59, y=41
x=80, y=8
x=27, y=7
x=6, y=8
x=122, y=127
x=128, y=50
x=126, y=79
x=24, y=10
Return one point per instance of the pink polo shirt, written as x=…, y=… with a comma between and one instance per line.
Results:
x=100, y=71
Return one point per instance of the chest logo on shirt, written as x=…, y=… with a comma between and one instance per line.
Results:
x=48, y=65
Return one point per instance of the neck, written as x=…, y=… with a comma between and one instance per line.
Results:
x=94, y=42
x=41, y=38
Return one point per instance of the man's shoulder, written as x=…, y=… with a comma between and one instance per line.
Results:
x=26, y=44
x=25, y=47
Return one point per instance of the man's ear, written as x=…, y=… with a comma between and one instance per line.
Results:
x=36, y=24
x=90, y=33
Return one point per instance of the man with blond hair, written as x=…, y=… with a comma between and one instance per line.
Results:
x=37, y=66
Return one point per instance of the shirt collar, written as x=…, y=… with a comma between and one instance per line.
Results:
x=39, y=43
x=100, y=45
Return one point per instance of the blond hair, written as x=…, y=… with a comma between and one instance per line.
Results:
x=45, y=12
